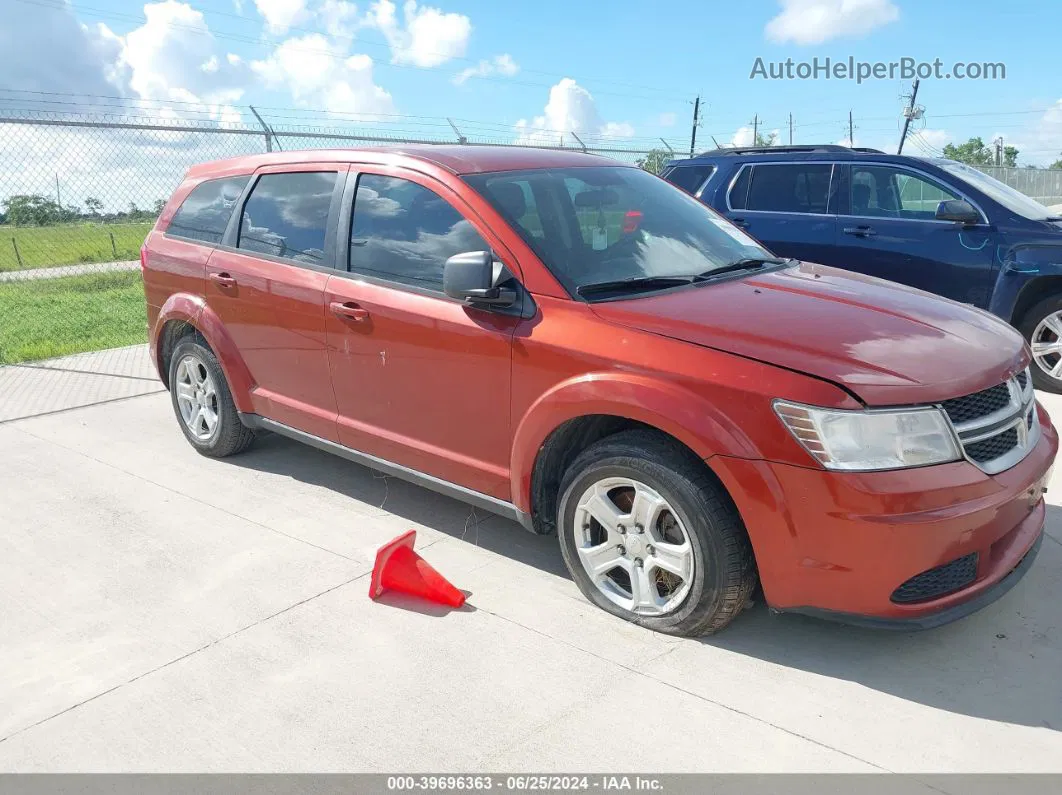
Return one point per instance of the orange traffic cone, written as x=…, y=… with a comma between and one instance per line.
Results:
x=399, y=568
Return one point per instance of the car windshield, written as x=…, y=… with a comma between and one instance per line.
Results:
x=998, y=191
x=604, y=224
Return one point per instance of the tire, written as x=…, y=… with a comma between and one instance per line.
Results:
x=1034, y=328
x=698, y=510
x=227, y=436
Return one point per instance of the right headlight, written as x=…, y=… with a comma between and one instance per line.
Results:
x=872, y=439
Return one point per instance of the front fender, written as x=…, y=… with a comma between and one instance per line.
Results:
x=193, y=310
x=1022, y=267
x=662, y=405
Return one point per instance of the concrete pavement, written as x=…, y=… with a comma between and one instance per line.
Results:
x=164, y=611
x=36, y=274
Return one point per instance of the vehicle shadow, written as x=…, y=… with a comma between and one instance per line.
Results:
x=1002, y=663
x=278, y=455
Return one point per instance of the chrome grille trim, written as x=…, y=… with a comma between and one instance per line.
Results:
x=1019, y=415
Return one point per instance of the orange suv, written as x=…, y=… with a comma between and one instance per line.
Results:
x=586, y=349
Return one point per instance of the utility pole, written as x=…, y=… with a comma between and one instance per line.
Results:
x=851, y=132
x=998, y=142
x=696, y=120
x=755, y=129
x=908, y=114
x=790, y=129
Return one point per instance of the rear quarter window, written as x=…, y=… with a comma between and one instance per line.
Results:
x=689, y=178
x=205, y=212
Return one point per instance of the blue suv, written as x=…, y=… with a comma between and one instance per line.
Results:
x=934, y=224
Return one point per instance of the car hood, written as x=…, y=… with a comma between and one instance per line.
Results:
x=886, y=343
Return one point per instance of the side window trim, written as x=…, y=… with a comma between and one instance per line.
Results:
x=733, y=182
x=752, y=176
x=329, y=263
x=925, y=177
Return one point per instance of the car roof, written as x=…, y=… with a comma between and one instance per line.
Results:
x=457, y=159
x=828, y=152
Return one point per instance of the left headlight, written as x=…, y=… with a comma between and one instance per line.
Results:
x=869, y=440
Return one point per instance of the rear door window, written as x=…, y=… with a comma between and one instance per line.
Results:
x=403, y=232
x=205, y=212
x=790, y=188
x=689, y=178
x=286, y=215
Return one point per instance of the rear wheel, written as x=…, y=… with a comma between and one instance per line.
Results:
x=649, y=535
x=202, y=402
x=1042, y=327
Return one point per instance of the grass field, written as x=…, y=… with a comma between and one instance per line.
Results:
x=69, y=244
x=54, y=317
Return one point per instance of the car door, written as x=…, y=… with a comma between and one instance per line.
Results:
x=267, y=283
x=420, y=379
x=786, y=206
x=888, y=229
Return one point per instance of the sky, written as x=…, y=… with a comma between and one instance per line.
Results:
x=617, y=72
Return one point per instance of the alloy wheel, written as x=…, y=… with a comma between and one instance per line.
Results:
x=197, y=398
x=633, y=546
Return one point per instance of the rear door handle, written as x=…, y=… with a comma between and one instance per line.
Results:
x=740, y=222
x=350, y=311
x=222, y=279
x=860, y=231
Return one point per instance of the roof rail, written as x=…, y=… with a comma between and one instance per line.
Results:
x=744, y=150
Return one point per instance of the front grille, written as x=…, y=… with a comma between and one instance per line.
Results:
x=993, y=447
x=940, y=581
x=977, y=405
x=996, y=426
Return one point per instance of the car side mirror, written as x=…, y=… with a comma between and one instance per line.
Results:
x=473, y=277
x=958, y=210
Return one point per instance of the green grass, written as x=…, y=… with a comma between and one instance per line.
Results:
x=69, y=244
x=54, y=317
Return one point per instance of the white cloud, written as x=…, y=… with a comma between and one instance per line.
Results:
x=429, y=37
x=321, y=74
x=570, y=109
x=743, y=136
x=817, y=21
x=500, y=64
x=667, y=119
x=281, y=14
x=339, y=18
x=173, y=56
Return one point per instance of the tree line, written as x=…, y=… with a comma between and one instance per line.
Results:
x=35, y=209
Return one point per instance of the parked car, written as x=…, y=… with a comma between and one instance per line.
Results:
x=580, y=346
x=929, y=223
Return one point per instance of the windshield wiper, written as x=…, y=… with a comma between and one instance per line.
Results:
x=744, y=264
x=635, y=284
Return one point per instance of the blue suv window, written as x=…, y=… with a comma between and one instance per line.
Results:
x=790, y=188
x=888, y=192
x=689, y=178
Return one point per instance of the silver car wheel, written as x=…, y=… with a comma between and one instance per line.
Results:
x=1047, y=345
x=633, y=546
x=197, y=398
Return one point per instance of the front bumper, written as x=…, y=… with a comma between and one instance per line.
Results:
x=839, y=544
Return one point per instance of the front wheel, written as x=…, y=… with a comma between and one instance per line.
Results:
x=649, y=535
x=1042, y=327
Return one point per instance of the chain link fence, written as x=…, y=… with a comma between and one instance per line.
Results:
x=78, y=194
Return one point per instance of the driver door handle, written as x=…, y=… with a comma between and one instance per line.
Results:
x=349, y=310
x=222, y=279
x=860, y=231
